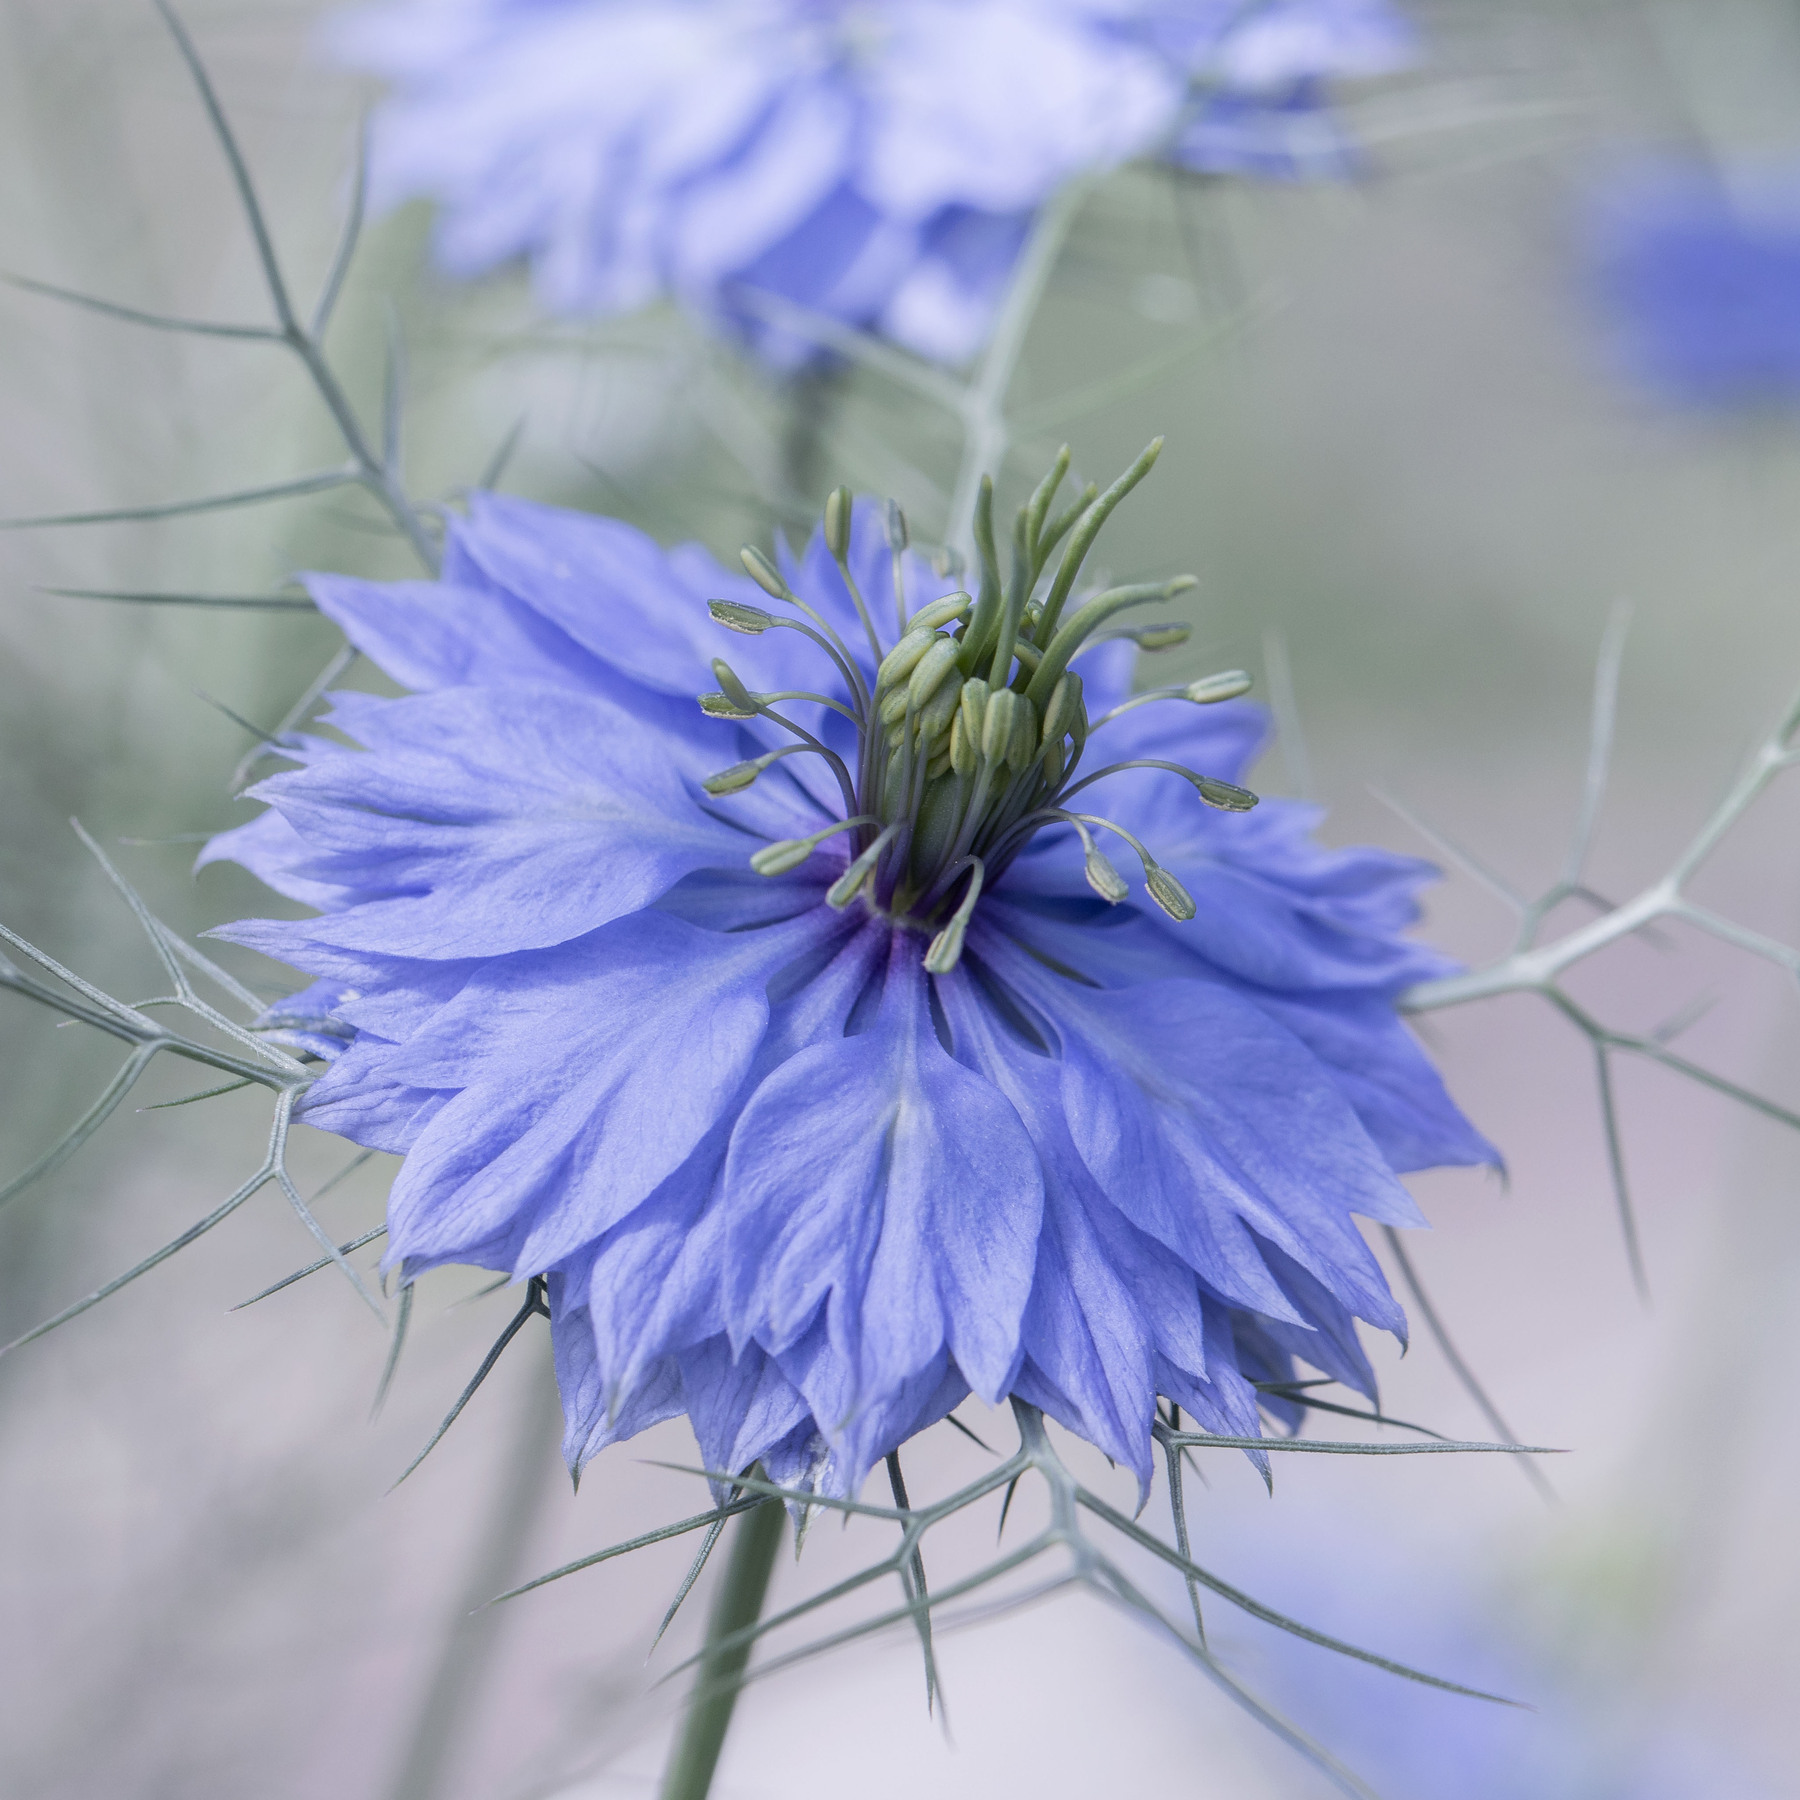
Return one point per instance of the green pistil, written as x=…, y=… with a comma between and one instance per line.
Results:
x=972, y=735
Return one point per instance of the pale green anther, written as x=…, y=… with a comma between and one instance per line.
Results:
x=938, y=766
x=929, y=672
x=735, y=691
x=939, y=613
x=752, y=621
x=963, y=754
x=839, y=508
x=1103, y=878
x=1168, y=893
x=779, y=857
x=893, y=708
x=1224, y=795
x=1160, y=637
x=974, y=710
x=900, y=661
x=1227, y=685
x=997, y=722
x=944, y=706
x=735, y=779
x=1023, y=745
x=1055, y=761
x=790, y=853
x=722, y=706
x=762, y=572
x=1064, y=708
x=947, y=947
x=896, y=527
x=849, y=884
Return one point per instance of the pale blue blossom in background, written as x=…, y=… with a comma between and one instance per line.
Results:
x=876, y=162
x=1699, y=274
x=811, y=1153
x=1587, y=1725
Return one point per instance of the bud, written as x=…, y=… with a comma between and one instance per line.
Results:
x=762, y=572
x=1168, y=893
x=1103, y=878
x=735, y=691
x=939, y=612
x=1210, y=689
x=839, y=508
x=752, y=621
x=929, y=672
x=896, y=527
x=784, y=854
x=1223, y=795
x=900, y=661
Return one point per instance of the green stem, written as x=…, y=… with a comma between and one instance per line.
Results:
x=738, y=1603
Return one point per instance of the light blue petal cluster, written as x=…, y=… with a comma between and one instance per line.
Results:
x=877, y=161
x=782, y=1179
x=1700, y=273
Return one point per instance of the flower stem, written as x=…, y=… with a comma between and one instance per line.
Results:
x=738, y=1603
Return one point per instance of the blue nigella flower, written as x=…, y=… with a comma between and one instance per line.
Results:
x=878, y=161
x=1701, y=279
x=808, y=1040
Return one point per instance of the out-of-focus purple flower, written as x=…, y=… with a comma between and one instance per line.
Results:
x=876, y=161
x=1700, y=276
x=1589, y=1726
x=832, y=1086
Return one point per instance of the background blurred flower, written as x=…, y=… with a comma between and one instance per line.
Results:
x=789, y=1170
x=1700, y=274
x=878, y=163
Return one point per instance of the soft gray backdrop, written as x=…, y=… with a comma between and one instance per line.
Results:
x=1397, y=445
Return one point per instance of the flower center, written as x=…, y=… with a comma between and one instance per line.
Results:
x=971, y=736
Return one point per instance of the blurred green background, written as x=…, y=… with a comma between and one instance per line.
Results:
x=1396, y=449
